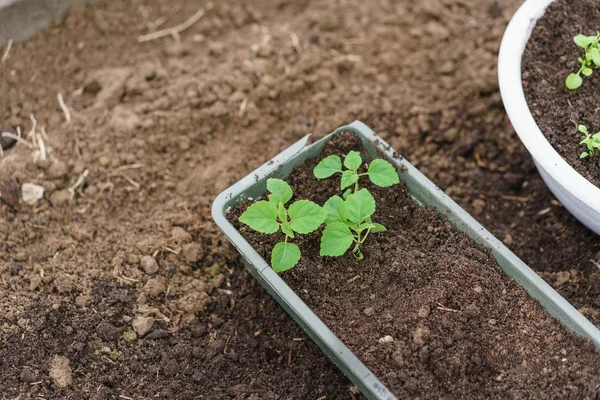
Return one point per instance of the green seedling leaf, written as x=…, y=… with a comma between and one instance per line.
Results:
x=378, y=228
x=573, y=81
x=306, y=216
x=353, y=160
x=287, y=230
x=336, y=239
x=349, y=178
x=361, y=205
x=382, y=173
x=328, y=166
x=261, y=216
x=587, y=71
x=595, y=52
x=336, y=210
x=282, y=212
x=280, y=191
x=592, y=142
x=366, y=225
x=583, y=41
x=284, y=256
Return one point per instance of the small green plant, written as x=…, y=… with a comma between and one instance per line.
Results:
x=380, y=172
x=268, y=216
x=591, y=45
x=591, y=141
x=348, y=222
x=349, y=218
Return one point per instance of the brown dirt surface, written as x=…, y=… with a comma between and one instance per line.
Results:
x=457, y=326
x=548, y=59
x=163, y=127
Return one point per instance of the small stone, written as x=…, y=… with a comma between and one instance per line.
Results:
x=478, y=289
x=192, y=252
x=217, y=281
x=492, y=321
x=105, y=350
x=60, y=197
x=82, y=300
x=104, y=161
x=155, y=286
x=124, y=119
x=108, y=332
x=420, y=334
x=149, y=265
x=5, y=141
x=31, y=193
x=369, y=311
x=398, y=358
x=386, y=339
x=424, y=311
x=34, y=282
x=60, y=371
x=180, y=235
x=142, y=325
x=129, y=335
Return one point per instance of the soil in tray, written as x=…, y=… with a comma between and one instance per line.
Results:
x=548, y=59
x=460, y=326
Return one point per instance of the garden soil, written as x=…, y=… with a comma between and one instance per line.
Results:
x=428, y=310
x=549, y=57
x=117, y=282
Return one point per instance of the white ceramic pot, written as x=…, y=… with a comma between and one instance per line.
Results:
x=575, y=192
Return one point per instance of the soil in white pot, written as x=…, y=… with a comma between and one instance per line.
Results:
x=548, y=59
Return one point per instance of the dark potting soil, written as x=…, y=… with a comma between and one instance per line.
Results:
x=246, y=348
x=455, y=324
x=548, y=59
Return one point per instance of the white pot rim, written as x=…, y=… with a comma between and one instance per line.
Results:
x=511, y=88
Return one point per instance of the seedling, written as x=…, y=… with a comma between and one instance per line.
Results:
x=348, y=222
x=591, y=45
x=380, y=172
x=268, y=216
x=591, y=141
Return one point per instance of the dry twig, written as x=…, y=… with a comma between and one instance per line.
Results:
x=296, y=43
x=175, y=30
x=442, y=307
x=78, y=183
x=64, y=107
x=7, y=51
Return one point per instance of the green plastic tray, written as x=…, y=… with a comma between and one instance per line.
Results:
x=425, y=192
